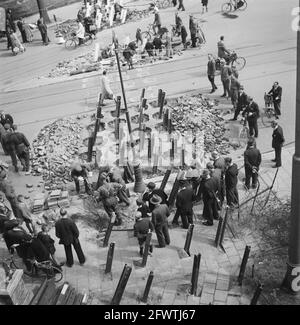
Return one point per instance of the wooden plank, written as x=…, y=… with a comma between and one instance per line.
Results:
x=39, y=293
x=65, y=291
x=78, y=299
x=48, y=294
x=71, y=297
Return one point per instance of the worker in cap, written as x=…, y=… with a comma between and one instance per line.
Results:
x=141, y=228
x=79, y=171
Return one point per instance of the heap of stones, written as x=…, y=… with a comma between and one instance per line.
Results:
x=197, y=113
x=54, y=149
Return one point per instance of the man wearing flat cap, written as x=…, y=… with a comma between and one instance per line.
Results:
x=160, y=216
x=252, y=114
x=252, y=161
x=152, y=190
x=141, y=228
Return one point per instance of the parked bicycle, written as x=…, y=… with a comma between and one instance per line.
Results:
x=268, y=114
x=37, y=269
x=72, y=42
x=233, y=5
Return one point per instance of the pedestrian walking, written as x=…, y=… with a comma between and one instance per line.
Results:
x=277, y=143
x=10, y=26
x=9, y=145
x=181, y=6
x=25, y=213
x=157, y=21
x=252, y=161
x=204, y=5
x=138, y=36
x=105, y=90
x=276, y=93
x=211, y=72
x=160, y=216
x=151, y=190
x=80, y=32
x=178, y=23
x=225, y=78
x=231, y=181
x=68, y=234
x=20, y=25
x=193, y=30
x=252, y=114
x=242, y=102
x=184, y=204
x=141, y=229
x=43, y=30
x=174, y=3
x=22, y=147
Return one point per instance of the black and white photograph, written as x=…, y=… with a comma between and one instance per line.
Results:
x=150, y=155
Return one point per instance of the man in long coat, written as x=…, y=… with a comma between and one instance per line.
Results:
x=184, y=204
x=277, y=142
x=231, y=180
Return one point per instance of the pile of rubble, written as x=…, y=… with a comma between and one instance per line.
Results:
x=54, y=149
x=196, y=113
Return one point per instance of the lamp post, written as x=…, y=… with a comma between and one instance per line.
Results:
x=291, y=281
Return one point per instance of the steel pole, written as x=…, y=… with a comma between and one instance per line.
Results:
x=292, y=278
x=125, y=104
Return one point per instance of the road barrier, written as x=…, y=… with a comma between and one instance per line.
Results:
x=244, y=264
x=110, y=256
x=218, y=233
x=109, y=230
x=195, y=274
x=256, y=295
x=147, y=288
x=188, y=239
x=146, y=249
x=121, y=285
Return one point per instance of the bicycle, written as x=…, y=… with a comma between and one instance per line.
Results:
x=72, y=42
x=269, y=113
x=231, y=6
x=148, y=33
x=47, y=268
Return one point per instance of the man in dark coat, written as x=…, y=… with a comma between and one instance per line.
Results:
x=277, y=142
x=160, y=216
x=21, y=145
x=184, y=205
x=219, y=166
x=211, y=72
x=151, y=190
x=252, y=161
x=9, y=144
x=231, y=180
x=193, y=30
x=141, y=228
x=242, y=103
x=68, y=234
x=252, y=114
x=6, y=119
x=208, y=192
x=276, y=93
x=20, y=25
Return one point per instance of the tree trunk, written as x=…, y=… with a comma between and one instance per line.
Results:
x=43, y=11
